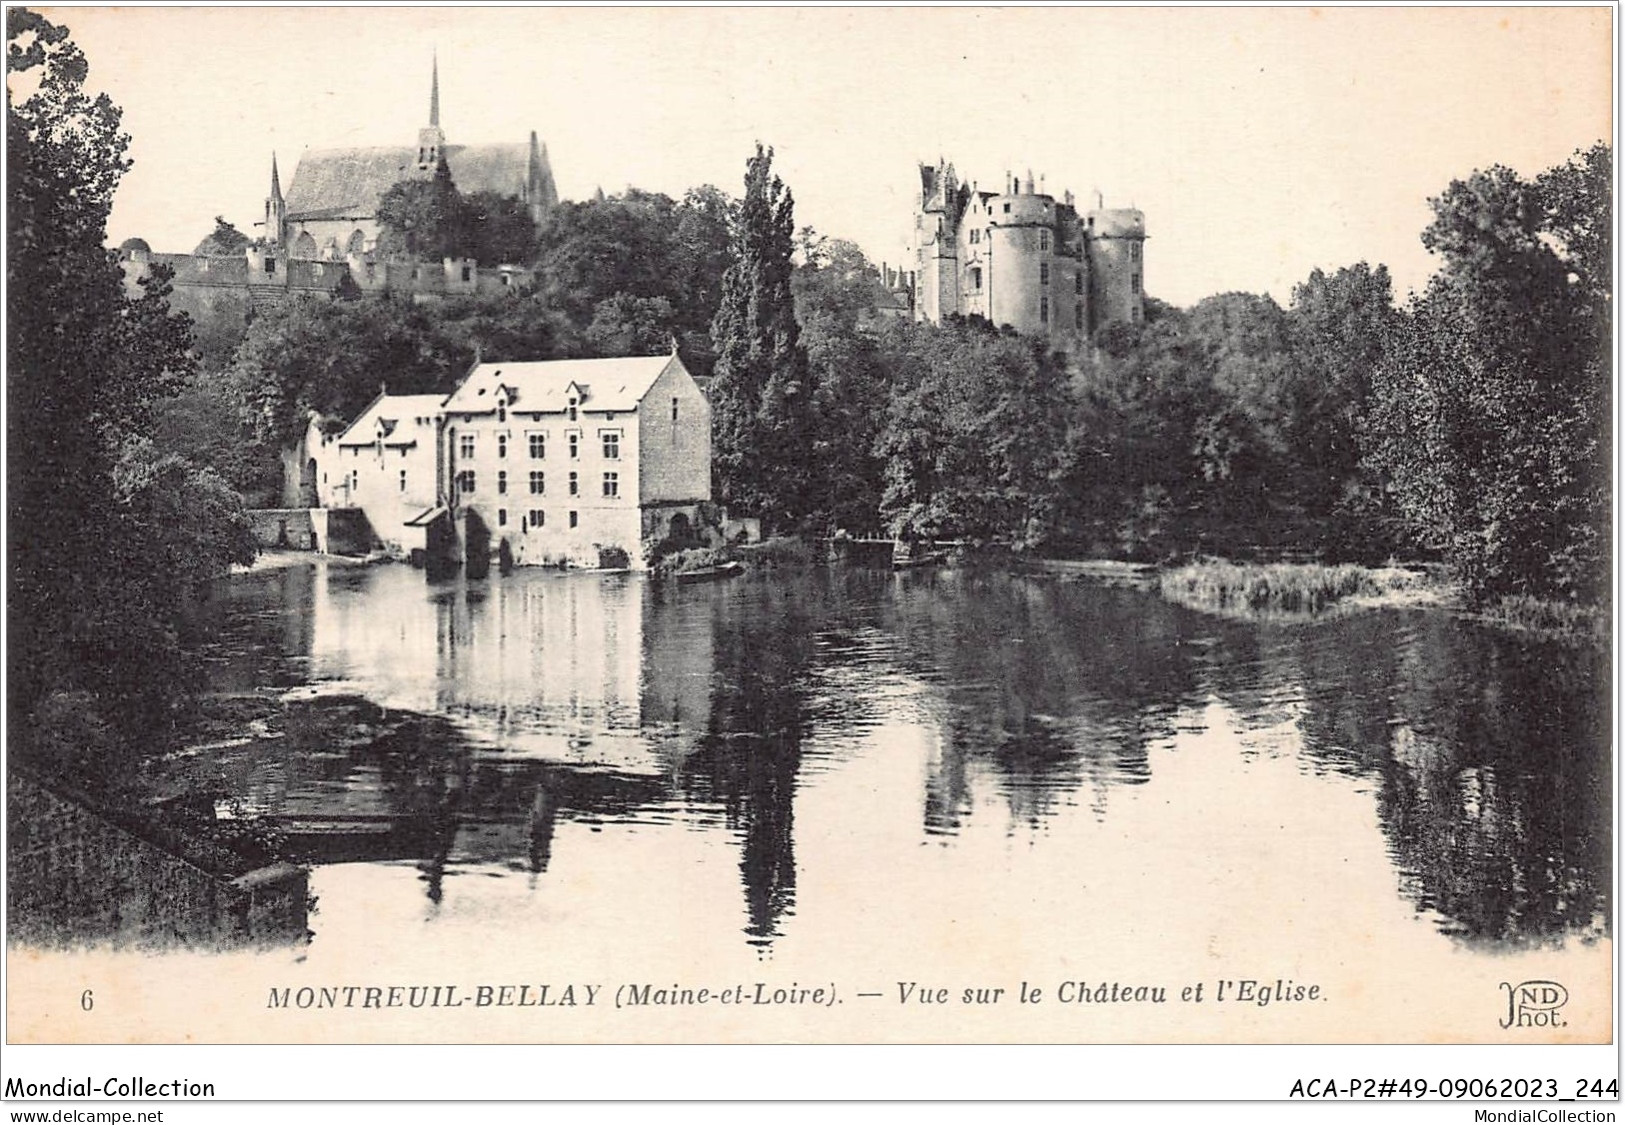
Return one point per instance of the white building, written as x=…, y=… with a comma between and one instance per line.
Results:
x=386, y=464
x=576, y=461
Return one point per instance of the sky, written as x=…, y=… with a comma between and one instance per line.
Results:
x=1261, y=143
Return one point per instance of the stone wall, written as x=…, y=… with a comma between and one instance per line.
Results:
x=284, y=529
x=74, y=876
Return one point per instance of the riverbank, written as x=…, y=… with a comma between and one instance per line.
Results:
x=1303, y=591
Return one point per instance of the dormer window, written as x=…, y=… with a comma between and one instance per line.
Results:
x=502, y=413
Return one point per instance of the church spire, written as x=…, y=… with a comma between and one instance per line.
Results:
x=434, y=91
x=431, y=139
x=276, y=209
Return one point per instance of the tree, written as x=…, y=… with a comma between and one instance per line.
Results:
x=424, y=218
x=498, y=230
x=1490, y=403
x=626, y=325
x=224, y=241
x=975, y=439
x=761, y=393
x=86, y=365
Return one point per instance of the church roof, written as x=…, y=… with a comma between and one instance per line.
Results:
x=348, y=182
x=600, y=384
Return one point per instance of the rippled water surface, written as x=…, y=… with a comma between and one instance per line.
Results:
x=865, y=760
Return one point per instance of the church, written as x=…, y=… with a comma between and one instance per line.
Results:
x=331, y=208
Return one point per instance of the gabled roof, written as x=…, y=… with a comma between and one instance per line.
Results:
x=600, y=384
x=386, y=412
x=348, y=182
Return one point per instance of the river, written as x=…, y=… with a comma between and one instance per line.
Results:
x=841, y=771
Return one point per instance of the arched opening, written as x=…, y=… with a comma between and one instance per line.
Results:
x=357, y=243
x=307, y=485
x=304, y=246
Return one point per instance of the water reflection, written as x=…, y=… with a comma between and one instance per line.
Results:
x=466, y=727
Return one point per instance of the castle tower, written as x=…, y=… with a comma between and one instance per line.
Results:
x=936, y=239
x=276, y=209
x=430, y=138
x=1117, y=263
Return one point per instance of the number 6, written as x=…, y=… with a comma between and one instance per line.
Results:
x=87, y=1000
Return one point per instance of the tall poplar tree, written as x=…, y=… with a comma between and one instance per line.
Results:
x=761, y=393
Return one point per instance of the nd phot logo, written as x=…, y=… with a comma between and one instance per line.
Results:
x=1535, y=1003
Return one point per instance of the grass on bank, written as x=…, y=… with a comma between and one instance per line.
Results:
x=1279, y=587
x=1562, y=620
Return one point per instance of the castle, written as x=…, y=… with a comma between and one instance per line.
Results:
x=1021, y=258
x=321, y=238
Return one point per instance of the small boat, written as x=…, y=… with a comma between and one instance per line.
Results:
x=710, y=573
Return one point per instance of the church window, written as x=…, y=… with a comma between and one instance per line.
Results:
x=1043, y=273
x=502, y=484
x=1043, y=309
x=465, y=445
x=976, y=278
x=538, y=446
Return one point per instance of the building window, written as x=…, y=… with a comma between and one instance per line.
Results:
x=270, y=265
x=573, y=519
x=612, y=445
x=1078, y=316
x=674, y=408
x=355, y=479
x=575, y=445
x=975, y=235
x=538, y=446
x=403, y=480
x=1043, y=309
x=465, y=445
x=572, y=410
x=502, y=484
x=1077, y=283
x=1006, y=208
x=502, y=416
x=575, y=484
x=538, y=483
x=465, y=481
x=1134, y=251
x=502, y=517
x=612, y=485
x=976, y=277
x=536, y=517
x=467, y=273
x=1134, y=282
x=502, y=445
x=1043, y=273
x=1043, y=240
